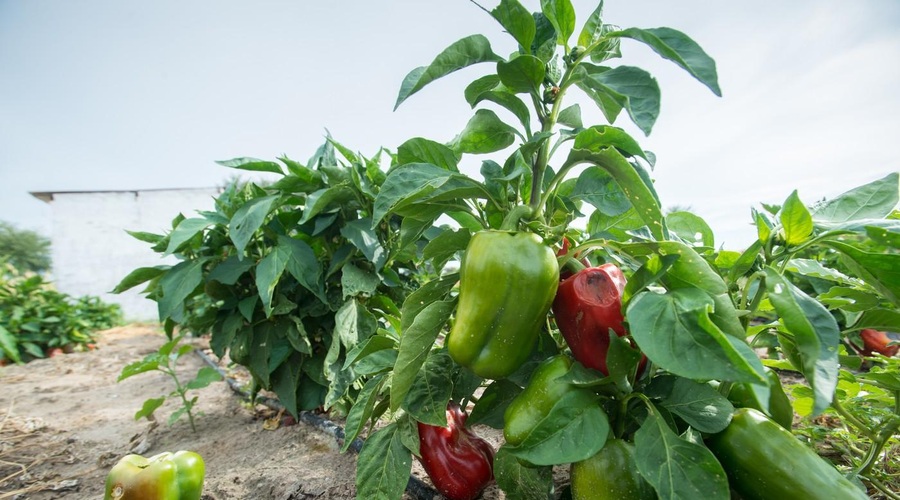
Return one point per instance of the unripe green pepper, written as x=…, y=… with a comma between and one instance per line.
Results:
x=766, y=462
x=780, y=409
x=544, y=389
x=610, y=474
x=507, y=283
x=167, y=476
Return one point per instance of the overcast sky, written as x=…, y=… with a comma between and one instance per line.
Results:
x=112, y=94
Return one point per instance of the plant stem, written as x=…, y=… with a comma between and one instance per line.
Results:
x=851, y=418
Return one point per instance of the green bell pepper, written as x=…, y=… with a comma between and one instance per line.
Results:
x=534, y=403
x=743, y=395
x=507, y=283
x=765, y=461
x=610, y=474
x=167, y=476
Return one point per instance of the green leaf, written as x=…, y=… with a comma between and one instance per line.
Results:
x=601, y=136
x=592, y=30
x=815, y=334
x=522, y=481
x=415, y=182
x=230, y=270
x=465, y=52
x=598, y=187
x=492, y=404
x=692, y=229
x=881, y=270
x=186, y=229
x=138, y=276
x=675, y=331
x=524, y=74
x=146, y=237
x=362, y=410
x=373, y=344
x=360, y=233
x=286, y=381
x=149, y=407
x=796, y=220
x=700, y=405
x=205, y=376
x=8, y=345
x=624, y=87
x=575, y=429
x=484, y=133
x=326, y=199
x=415, y=343
x=879, y=319
x=509, y=101
x=253, y=165
x=268, y=273
x=383, y=466
x=303, y=265
x=434, y=291
x=561, y=15
x=248, y=219
x=355, y=282
x=676, y=468
x=679, y=48
x=571, y=117
x=427, y=398
x=178, y=284
x=419, y=150
x=875, y=200
x=445, y=246
x=517, y=21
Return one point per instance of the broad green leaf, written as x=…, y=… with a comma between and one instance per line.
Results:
x=149, y=406
x=205, y=376
x=517, y=21
x=419, y=150
x=253, y=165
x=354, y=324
x=596, y=186
x=524, y=74
x=677, y=468
x=462, y=53
x=8, y=345
x=303, y=265
x=223, y=332
x=360, y=233
x=248, y=219
x=268, y=273
x=691, y=228
x=230, y=270
x=362, y=410
x=815, y=334
x=383, y=466
x=679, y=48
x=186, y=229
x=427, y=398
x=610, y=102
x=701, y=406
x=434, y=291
x=853, y=300
x=571, y=117
x=509, y=101
x=493, y=402
x=561, y=15
x=138, y=276
x=286, y=381
x=815, y=269
x=484, y=133
x=261, y=343
x=795, y=220
x=445, y=246
x=676, y=332
x=326, y=199
x=544, y=44
x=479, y=86
x=627, y=87
x=881, y=270
x=875, y=200
x=575, y=429
x=421, y=182
x=600, y=136
x=355, y=282
x=178, y=284
x=592, y=29
x=146, y=237
x=373, y=344
x=884, y=236
x=148, y=364
x=879, y=319
x=641, y=196
x=522, y=481
x=415, y=343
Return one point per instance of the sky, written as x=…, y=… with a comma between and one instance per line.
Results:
x=106, y=94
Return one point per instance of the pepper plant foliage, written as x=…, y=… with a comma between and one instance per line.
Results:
x=688, y=304
x=288, y=276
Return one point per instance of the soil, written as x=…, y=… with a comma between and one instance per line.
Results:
x=65, y=421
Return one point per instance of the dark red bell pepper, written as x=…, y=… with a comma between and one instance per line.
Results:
x=877, y=341
x=587, y=306
x=459, y=463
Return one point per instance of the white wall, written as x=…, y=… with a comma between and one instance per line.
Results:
x=92, y=252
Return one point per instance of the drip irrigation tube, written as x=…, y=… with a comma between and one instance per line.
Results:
x=415, y=487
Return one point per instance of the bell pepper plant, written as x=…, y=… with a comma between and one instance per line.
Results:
x=166, y=476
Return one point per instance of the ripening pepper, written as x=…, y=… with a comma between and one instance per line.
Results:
x=611, y=474
x=877, y=341
x=587, y=306
x=167, y=476
x=742, y=395
x=507, y=283
x=766, y=462
x=459, y=463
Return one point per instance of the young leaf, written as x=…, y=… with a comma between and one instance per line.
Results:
x=248, y=219
x=138, y=276
x=484, y=133
x=525, y=482
x=419, y=150
x=415, y=343
x=796, y=220
x=815, y=333
x=470, y=50
x=875, y=200
x=149, y=363
x=679, y=48
x=677, y=469
x=383, y=466
x=205, y=376
x=186, y=229
x=524, y=74
x=561, y=15
x=516, y=20
x=149, y=407
x=253, y=165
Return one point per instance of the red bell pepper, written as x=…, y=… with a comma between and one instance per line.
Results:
x=877, y=341
x=587, y=306
x=459, y=463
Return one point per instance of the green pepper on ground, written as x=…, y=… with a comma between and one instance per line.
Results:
x=507, y=282
x=166, y=476
x=766, y=462
x=611, y=474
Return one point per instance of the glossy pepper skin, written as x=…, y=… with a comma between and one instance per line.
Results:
x=587, y=306
x=459, y=463
x=611, y=474
x=534, y=403
x=765, y=461
x=507, y=283
x=877, y=341
x=167, y=476
x=780, y=409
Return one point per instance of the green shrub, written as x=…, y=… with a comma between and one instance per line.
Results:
x=24, y=249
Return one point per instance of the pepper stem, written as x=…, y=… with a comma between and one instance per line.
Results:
x=511, y=222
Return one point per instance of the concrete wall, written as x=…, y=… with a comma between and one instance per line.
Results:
x=92, y=252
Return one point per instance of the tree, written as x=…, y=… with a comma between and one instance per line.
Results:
x=25, y=249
